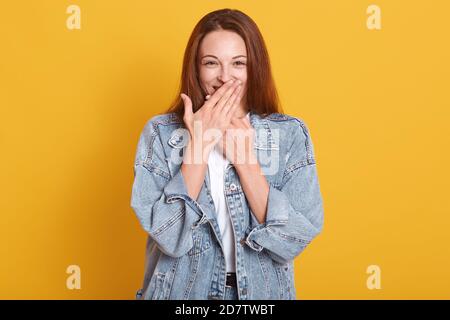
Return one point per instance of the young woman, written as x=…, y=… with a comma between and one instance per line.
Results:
x=224, y=184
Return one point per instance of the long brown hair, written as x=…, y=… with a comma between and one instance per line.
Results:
x=262, y=97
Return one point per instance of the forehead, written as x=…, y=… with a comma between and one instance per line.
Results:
x=223, y=44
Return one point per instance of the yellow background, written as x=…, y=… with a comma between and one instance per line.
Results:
x=73, y=103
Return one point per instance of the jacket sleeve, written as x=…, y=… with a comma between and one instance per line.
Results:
x=161, y=202
x=294, y=214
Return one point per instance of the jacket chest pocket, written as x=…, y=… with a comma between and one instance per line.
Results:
x=201, y=237
x=267, y=152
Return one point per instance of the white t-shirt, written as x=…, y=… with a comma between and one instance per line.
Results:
x=216, y=166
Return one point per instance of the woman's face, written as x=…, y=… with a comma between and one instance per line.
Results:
x=222, y=56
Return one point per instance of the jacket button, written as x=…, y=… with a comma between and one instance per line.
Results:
x=242, y=241
x=232, y=187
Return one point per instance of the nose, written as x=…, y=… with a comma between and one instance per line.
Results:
x=225, y=75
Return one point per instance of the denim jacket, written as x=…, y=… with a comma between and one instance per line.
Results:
x=184, y=251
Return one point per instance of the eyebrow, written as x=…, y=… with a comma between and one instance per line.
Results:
x=210, y=55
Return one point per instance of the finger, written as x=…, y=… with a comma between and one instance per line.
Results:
x=226, y=96
x=231, y=112
x=187, y=104
x=230, y=103
x=218, y=94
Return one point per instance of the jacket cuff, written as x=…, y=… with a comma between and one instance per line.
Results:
x=176, y=190
x=278, y=207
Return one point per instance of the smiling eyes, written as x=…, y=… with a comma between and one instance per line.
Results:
x=213, y=62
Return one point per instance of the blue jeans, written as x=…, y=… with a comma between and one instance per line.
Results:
x=231, y=293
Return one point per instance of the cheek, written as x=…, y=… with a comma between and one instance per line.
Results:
x=243, y=75
x=205, y=80
x=207, y=74
x=243, y=78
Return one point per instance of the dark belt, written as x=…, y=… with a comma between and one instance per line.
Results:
x=231, y=279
